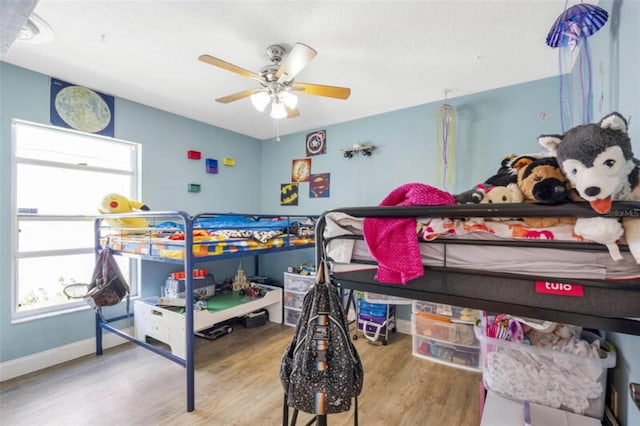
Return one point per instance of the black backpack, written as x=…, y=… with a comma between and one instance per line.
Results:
x=321, y=370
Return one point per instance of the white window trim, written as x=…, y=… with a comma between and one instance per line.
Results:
x=72, y=306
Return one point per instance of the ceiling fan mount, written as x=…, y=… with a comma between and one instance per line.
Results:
x=276, y=52
x=276, y=81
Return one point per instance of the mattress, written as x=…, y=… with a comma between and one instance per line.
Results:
x=495, y=249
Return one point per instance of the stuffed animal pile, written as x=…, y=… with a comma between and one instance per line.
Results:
x=591, y=162
x=527, y=178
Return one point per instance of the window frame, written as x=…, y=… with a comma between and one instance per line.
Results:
x=16, y=217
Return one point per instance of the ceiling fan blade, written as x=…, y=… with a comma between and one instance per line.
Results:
x=320, y=90
x=211, y=60
x=294, y=62
x=237, y=96
x=292, y=112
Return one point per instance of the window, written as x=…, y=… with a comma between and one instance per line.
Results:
x=59, y=179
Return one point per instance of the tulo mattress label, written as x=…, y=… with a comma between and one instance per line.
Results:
x=560, y=289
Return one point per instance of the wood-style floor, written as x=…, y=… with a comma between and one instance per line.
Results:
x=236, y=384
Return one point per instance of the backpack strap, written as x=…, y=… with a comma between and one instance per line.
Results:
x=322, y=274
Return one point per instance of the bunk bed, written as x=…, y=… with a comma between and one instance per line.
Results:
x=175, y=237
x=605, y=293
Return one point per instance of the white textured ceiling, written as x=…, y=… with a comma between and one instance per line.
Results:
x=392, y=54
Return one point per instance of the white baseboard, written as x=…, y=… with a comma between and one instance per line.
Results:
x=30, y=363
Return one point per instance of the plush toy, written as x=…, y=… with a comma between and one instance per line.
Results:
x=502, y=194
x=541, y=180
x=116, y=203
x=525, y=178
x=599, y=162
x=505, y=175
x=474, y=195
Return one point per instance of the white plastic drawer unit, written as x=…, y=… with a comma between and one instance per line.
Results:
x=443, y=331
x=298, y=283
x=458, y=356
x=454, y=312
x=296, y=287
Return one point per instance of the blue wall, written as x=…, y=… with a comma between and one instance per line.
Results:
x=166, y=172
x=490, y=125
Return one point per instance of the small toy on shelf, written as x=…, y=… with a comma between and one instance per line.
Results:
x=364, y=150
x=240, y=281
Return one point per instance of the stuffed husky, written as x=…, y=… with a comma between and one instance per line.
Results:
x=598, y=161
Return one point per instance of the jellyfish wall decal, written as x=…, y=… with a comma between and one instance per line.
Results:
x=569, y=34
x=446, y=124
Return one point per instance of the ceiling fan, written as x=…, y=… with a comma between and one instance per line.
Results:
x=277, y=85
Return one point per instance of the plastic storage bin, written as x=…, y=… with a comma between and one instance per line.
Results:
x=296, y=287
x=453, y=312
x=298, y=283
x=450, y=332
x=444, y=333
x=293, y=300
x=291, y=317
x=545, y=376
x=372, y=309
x=202, y=286
x=453, y=355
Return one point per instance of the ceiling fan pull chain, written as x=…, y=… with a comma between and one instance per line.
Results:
x=277, y=125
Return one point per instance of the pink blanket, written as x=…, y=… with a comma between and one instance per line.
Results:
x=392, y=241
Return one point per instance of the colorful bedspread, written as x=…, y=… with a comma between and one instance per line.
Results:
x=174, y=249
x=432, y=228
x=216, y=236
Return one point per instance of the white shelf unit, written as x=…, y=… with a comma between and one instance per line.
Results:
x=168, y=326
x=295, y=288
x=444, y=334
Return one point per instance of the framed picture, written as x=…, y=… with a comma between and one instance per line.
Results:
x=301, y=170
x=319, y=185
x=289, y=194
x=80, y=108
x=316, y=143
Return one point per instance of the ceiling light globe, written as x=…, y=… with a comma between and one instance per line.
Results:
x=278, y=111
x=260, y=100
x=289, y=99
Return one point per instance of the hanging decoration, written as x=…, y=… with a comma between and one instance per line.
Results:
x=446, y=124
x=569, y=34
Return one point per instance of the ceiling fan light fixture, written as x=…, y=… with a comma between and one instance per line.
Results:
x=289, y=99
x=278, y=111
x=260, y=100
